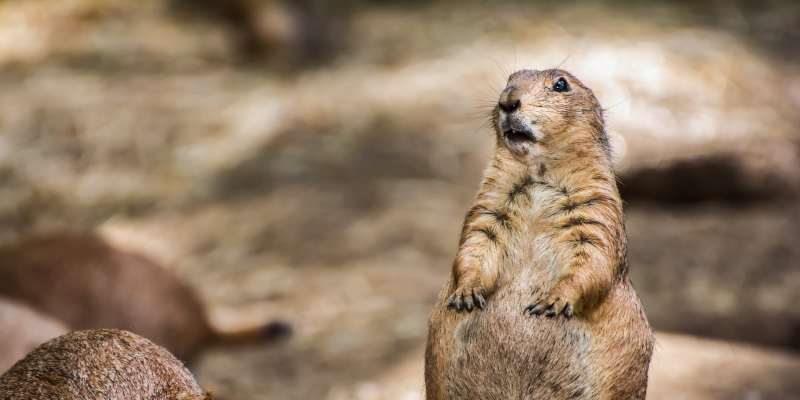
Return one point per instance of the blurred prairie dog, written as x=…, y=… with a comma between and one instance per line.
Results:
x=539, y=304
x=88, y=284
x=100, y=364
x=22, y=329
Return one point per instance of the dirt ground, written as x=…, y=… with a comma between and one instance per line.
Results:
x=326, y=188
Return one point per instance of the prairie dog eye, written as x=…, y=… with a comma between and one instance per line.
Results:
x=561, y=85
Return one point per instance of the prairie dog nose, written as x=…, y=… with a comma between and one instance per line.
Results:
x=509, y=99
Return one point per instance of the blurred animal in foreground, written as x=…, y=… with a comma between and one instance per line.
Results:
x=88, y=284
x=539, y=304
x=100, y=364
x=22, y=329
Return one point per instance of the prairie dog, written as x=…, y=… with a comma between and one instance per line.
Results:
x=100, y=364
x=89, y=284
x=539, y=304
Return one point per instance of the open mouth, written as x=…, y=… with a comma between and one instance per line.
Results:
x=518, y=134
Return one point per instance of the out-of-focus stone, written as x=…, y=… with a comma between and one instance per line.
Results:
x=23, y=329
x=722, y=271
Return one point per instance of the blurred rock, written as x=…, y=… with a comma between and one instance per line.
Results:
x=719, y=177
x=23, y=329
x=686, y=367
x=719, y=270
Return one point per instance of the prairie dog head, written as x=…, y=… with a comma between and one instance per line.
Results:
x=539, y=110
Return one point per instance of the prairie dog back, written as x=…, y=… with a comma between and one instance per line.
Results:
x=100, y=364
x=88, y=284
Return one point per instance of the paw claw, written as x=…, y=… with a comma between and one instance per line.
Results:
x=551, y=307
x=568, y=311
x=534, y=308
x=469, y=299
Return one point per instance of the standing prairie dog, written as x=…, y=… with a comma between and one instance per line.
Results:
x=539, y=304
x=100, y=364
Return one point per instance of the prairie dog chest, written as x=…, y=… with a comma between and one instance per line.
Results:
x=532, y=256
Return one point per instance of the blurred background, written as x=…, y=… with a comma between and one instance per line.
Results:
x=311, y=162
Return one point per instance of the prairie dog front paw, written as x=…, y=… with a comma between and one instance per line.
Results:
x=468, y=295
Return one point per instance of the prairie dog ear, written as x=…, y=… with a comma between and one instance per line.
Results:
x=618, y=147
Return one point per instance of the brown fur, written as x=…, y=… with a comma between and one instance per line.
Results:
x=100, y=364
x=542, y=262
x=88, y=284
x=22, y=329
